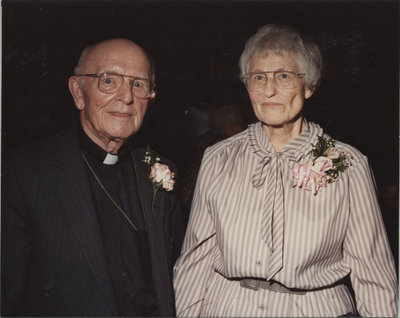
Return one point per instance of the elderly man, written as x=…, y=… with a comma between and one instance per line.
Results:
x=86, y=231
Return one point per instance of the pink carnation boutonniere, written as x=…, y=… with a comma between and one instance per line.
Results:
x=327, y=163
x=160, y=175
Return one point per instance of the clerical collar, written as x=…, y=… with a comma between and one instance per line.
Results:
x=110, y=159
x=96, y=152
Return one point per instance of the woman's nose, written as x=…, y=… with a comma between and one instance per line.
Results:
x=270, y=87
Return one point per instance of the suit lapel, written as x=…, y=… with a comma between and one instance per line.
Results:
x=155, y=219
x=154, y=213
x=76, y=198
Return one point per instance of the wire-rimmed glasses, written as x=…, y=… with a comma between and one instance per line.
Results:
x=256, y=81
x=110, y=83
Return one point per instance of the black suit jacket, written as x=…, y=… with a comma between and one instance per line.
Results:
x=53, y=260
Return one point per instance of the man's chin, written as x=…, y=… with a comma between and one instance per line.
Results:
x=121, y=136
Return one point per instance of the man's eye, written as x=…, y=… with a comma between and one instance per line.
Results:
x=108, y=80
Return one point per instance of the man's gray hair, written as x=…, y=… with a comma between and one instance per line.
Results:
x=78, y=68
x=82, y=58
x=280, y=39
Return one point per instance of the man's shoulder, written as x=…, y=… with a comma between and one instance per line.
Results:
x=48, y=148
x=141, y=153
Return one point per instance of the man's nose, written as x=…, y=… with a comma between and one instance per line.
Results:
x=270, y=87
x=125, y=93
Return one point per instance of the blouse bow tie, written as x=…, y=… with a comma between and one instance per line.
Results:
x=268, y=176
x=275, y=160
x=272, y=224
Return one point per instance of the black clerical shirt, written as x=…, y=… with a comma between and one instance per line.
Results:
x=127, y=249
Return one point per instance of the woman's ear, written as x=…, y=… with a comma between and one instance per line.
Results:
x=308, y=92
x=76, y=92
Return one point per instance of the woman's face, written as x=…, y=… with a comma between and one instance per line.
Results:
x=275, y=106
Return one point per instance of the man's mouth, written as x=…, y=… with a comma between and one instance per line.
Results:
x=121, y=115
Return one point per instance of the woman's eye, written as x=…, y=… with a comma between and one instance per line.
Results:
x=259, y=77
x=137, y=84
x=284, y=76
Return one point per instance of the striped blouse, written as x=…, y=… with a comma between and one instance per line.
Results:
x=326, y=236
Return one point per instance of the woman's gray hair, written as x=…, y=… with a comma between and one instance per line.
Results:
x=280, y=39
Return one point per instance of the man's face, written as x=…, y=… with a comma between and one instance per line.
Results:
x=111, y=117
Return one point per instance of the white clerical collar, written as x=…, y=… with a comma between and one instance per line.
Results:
x=110, y=159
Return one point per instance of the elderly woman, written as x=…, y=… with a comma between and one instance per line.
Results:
x=282, y=213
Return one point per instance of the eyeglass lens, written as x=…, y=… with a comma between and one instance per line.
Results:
x=110, y=83
x=257, y=81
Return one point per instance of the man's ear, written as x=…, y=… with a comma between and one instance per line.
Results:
x=76, y=92
x=152, y=98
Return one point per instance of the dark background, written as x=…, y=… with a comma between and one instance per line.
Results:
x=196, y=46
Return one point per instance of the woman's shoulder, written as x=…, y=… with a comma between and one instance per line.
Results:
x=353, y=151
x=317, y=131
x=353, y=154
x=226, y=145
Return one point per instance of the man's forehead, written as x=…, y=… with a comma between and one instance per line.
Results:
x=117, y=53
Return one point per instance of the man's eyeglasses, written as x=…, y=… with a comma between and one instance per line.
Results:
x=256, y=81
x=110, y=83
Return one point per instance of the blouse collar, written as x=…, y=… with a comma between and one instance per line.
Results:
x=297, y=148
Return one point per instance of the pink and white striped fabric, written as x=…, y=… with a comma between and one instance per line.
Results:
x=325, y=236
